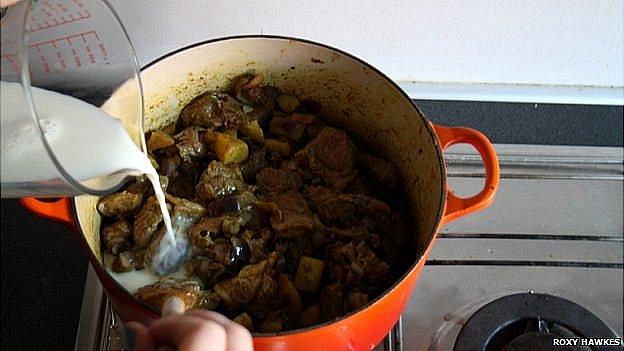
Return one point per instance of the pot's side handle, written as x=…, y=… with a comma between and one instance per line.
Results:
x=458, y=207
x=58, y=210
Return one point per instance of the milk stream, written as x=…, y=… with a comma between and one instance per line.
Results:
x=86, y=140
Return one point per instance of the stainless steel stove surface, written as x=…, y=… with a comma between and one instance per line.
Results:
x=544, y=259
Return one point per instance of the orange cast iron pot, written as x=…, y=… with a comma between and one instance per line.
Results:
x=354, y=96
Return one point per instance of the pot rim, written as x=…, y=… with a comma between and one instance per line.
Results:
x=420, y=255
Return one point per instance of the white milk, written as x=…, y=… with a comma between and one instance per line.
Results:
x=134, y=280
x=85, y=139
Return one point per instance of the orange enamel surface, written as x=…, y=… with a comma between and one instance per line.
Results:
x=59, y=210
x=458, y=207
x=361, y=331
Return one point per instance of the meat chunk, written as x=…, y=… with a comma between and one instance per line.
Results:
x=116, y=236
x=183, y=180
x=271, y=180
x=230, y=214
x=245, y=82
x=333, y=149
x=140, y=185
x=331, y=156
x=247, y=88
x=240, y=205
x=169, y=164
x=338, y=210
x=146, y=222
x=361, y=261
x=296, y=218
x=382, y=171
x=189, y=209
x=243, y=288
x=265, y=300
x=317, y=195
x=331, y=301
x=126, y=261
x=204, y=233
x=256, y=161
x=358, y=232
x=208, y=270
x=257, y=250
x=231, y=253
x=189, y=144
x=219, y=180
x=214, y=110
x=368, y=205
x=118, y=204
x=344, y=209
x=231, y=225
x=220, y=251
x=188, y=291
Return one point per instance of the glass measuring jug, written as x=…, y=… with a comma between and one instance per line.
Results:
x=80, y=49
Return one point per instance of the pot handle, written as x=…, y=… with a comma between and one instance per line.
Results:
x=58, y=210
x=456, y=206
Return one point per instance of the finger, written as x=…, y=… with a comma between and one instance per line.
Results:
x=238, y=337
x=210, y=315
x=5, y=3
x=189, y=333
x=137, y=337
x=172, y=306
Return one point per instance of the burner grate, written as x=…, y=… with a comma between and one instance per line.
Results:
x=528, y=321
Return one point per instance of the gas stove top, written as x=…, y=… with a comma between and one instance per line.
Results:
x=544, y=262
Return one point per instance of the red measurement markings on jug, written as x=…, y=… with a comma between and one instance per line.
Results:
x=55, y=13
x=10, y=59
x=64, y=52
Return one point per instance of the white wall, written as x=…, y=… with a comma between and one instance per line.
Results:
x=523, y=50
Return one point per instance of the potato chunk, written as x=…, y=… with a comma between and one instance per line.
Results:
x=230, y=149
x=253, y=131
x=159, y=140
x=309, y=274
x=289, y=295
x=287, y=103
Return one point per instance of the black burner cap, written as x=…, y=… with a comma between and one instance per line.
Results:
x=529, y=321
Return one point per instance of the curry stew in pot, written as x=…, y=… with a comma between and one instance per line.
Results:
x=292, y=223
